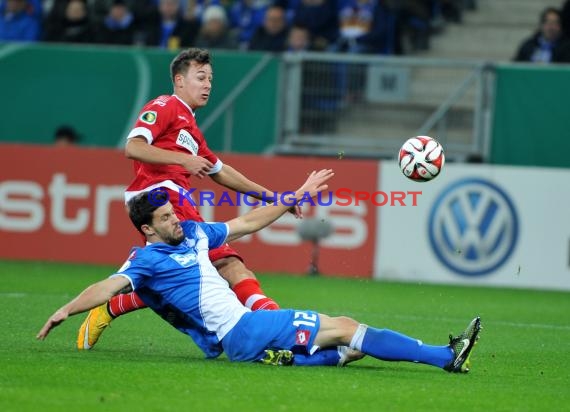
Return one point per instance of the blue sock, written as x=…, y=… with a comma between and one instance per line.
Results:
x=385, y=344
x=322, y=357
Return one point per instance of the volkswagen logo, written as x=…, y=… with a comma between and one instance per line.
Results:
x=473, y=227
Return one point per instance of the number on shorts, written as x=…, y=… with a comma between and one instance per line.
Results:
x=306, y=319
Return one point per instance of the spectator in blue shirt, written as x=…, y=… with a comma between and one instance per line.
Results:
x=321, y=18
x=169, y=29
x=245, y=17
x=547, y=45
x=19, y=21
x=118, y=26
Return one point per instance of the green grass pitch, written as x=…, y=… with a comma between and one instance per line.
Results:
x=141, y=363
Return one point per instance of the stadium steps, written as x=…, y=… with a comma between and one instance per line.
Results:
x=389, y=124
x=492, y=32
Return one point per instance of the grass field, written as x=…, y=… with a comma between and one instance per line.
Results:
x=141, y=363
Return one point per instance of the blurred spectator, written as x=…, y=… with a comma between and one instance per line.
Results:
x=565, y=16
x=413, y=22
x=272, y=35
x=54, y=13
x=355, y=21
x=169, y=29
x=245, y=17
x=19, y=20
x=119, y=25
x=194, y=9
x=321, y=18
x=66, y=136
x=547, y=45
x=367, y=26
x=215, y=31
x=298, y=39
x=74, y=27
x=289, y=6
x=322, y=88
x=142, y=10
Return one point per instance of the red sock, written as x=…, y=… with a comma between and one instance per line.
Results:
x=250, y=294
x=124, y=303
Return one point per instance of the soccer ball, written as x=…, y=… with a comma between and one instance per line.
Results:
x=421, y=158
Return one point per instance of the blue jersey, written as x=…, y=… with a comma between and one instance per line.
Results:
x=181, y=285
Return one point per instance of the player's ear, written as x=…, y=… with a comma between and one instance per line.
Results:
x=178, y=79
x=147, y=230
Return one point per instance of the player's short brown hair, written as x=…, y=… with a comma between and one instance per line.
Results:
x=182, y=62
x=142, y=206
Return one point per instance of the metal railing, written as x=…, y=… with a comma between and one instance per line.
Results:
x=366, y=106
x=226, y=107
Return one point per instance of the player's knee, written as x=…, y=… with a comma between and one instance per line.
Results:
x=347, y=326
x=233, y=270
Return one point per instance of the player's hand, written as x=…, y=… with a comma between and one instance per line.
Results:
x=55, y=320
x=296, y=211
x=197, y=166
x=315, y=183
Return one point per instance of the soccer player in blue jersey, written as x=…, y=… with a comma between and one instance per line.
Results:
x=174, y=277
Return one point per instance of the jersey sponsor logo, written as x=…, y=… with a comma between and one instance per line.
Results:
x=302, y=337
x=186, y=140
x=148, y=117
x=473, y=227
x=184, y=260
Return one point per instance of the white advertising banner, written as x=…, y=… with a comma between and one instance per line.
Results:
x=477, y=225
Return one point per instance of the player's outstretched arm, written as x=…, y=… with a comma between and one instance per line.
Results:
x=259, y=218
x=137, y=148
x=93, y=296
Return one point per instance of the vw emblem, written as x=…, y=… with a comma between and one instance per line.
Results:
x=473, y=227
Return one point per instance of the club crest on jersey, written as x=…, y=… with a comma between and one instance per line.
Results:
x=186, y=140
x=148, y=117
x=184, y=260
x=302, y=337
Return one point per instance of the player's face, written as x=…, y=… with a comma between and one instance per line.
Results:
x=166, y=225
x=196, y=85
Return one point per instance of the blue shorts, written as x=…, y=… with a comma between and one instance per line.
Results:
x=271, y=329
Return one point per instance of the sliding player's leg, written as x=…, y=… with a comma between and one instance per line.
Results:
x=309, y=333
x=389, y=345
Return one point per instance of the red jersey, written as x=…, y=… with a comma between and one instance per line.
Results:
x=168, y=123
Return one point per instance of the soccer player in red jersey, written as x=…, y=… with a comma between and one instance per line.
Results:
x=168, y=148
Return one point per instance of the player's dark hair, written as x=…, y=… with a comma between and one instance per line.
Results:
x=182, y=62
x=142, y=206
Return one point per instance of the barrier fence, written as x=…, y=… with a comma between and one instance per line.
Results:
x=305, y=104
